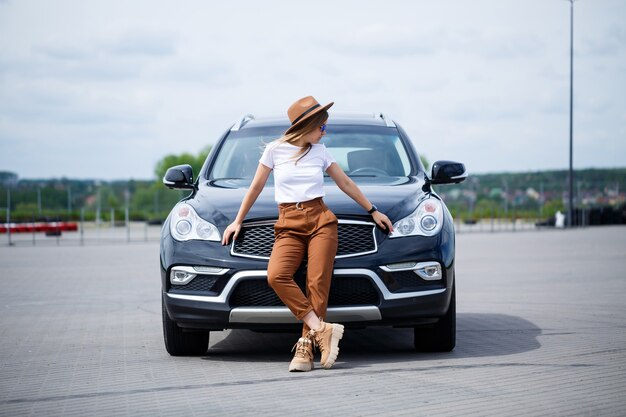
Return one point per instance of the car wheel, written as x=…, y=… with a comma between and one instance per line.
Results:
x=180, y=343
x=441, y=337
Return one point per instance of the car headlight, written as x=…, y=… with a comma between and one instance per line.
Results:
x=185, y=224
x=426, y=220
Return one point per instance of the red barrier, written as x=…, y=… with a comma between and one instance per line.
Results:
x=46, y=227
x=69, y=226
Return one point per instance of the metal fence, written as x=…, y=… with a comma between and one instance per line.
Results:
x=499, y=225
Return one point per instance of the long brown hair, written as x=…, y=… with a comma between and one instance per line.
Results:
x=308, y=125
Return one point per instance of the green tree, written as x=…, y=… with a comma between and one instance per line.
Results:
x=171, y=160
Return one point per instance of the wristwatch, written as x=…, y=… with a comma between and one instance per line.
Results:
x=373, y=209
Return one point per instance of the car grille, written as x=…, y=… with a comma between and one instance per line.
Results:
x=355, y=238
x=344, y=291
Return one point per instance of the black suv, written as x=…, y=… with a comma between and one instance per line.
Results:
x=403, y=279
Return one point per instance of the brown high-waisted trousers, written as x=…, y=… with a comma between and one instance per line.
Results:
x=303, y=228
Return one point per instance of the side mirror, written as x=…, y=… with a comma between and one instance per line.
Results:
x=448, y=172
x=179, y=177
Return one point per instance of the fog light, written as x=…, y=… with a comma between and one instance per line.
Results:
x=178, y=277
x=430, y=271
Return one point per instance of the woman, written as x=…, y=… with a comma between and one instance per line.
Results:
x=305, y=226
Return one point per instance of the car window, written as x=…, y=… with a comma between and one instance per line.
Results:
x=239, y=157
x=358, y=150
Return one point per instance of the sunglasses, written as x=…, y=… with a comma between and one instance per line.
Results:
x=323, y=128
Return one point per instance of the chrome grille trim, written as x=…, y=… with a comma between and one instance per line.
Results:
x=341, y=222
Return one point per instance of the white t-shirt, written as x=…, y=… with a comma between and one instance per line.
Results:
x=293, y=182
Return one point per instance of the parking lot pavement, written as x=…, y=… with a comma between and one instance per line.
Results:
x=541, y=331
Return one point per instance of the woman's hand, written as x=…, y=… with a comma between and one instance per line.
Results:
x=382, y=221
x=258, y=182
x=232, y=229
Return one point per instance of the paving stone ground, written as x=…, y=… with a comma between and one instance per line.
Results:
x=541, y=331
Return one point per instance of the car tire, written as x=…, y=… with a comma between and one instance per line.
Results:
x=180, y=343
x=441, y=337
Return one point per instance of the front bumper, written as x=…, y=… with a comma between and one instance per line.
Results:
x=389, y=300
x=407, y=308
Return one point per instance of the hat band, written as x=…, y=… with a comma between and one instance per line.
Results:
x=297, y=119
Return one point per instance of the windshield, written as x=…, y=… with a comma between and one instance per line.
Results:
x=359, y=150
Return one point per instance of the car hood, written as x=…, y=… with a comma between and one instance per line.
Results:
x=220, y=202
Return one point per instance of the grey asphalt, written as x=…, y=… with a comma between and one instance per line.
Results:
x=541, y=331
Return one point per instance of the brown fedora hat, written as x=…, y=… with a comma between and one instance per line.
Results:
x=302, y=110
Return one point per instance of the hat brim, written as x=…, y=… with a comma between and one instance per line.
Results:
x=314, y=112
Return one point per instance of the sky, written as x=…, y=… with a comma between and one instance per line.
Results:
x=105, y=89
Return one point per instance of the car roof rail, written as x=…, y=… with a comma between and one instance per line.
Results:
x=241, y=122
x=388, y=122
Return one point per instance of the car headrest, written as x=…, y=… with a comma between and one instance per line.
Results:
x=363, y=158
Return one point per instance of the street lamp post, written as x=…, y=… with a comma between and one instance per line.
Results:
x=69, y=201
x=9, y=216
x=570, y=206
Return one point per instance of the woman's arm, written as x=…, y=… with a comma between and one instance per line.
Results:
x=258, y=182
x=348, y=186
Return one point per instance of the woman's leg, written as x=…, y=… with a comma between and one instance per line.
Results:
x=286, y=257
x=311, y=321
x=322, y=249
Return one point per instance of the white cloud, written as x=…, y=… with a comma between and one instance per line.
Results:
x=123, y=83
x=143, y=44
